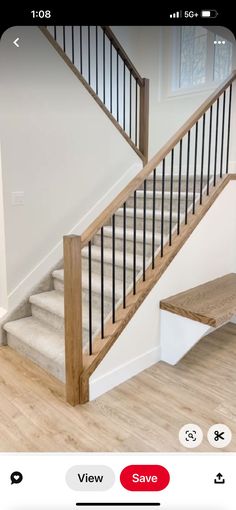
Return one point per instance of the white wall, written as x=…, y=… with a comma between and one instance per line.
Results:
x=232, y=153
x=151, y=49
x=59, y=148
x=3, y=279
x=210, y=252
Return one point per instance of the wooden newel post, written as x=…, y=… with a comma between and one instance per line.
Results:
x=144, y=119
x=73, y=317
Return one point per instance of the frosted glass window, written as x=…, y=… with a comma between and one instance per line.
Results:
x=222, y=58
x=193, y=58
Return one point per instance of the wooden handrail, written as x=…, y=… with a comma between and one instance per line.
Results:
x=140, y=148
x=123, y=54
x=137, y=181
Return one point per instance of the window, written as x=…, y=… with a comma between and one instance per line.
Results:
x=193, y=56
x=201, y=58
x=222, y=58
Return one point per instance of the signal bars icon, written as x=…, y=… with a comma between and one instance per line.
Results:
x=177, y=14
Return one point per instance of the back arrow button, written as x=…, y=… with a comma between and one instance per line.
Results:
x=16, y=42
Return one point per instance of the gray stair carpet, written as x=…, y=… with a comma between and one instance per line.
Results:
x=40, y=337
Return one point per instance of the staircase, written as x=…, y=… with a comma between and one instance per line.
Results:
x=40, y=337
x=110, y=269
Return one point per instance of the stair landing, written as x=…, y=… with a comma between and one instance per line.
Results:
x=213, y=303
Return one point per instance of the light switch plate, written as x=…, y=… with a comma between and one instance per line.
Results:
x=18, y=198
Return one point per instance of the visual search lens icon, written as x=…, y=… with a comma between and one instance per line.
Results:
x=16, y=477
x=191, y=435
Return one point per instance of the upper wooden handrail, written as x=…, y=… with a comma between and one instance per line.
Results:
x=137, y=181
x=123, y=54
x=142, y=98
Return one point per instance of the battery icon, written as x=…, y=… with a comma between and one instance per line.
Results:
x=211, y=13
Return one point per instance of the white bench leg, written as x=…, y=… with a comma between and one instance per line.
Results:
x=178, y=335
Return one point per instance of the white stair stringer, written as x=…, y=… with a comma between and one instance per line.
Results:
x=178, y=335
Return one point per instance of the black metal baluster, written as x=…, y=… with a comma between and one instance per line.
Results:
x=179, y=185
x=187, y=178
x=222, y=136
x=209, y=153
x=228, y=133
x=134, y=244
x=124, y=97
x=216, y=140
x=55, y=33
x=89, y=68
x=203, y=147
x=195, y=166
x=104, y=64
x=117, y=85
x=64, y=38
x=113, y=269
x=136, y=112
x=171, y=195
x=144, y=227
x=162, y=206
x=81, y=48
x=153, y=217
x=96, y=56
x=130, y=104
x=124, y=255
x=72, y=45
x=110, y=76
x=90, y=299
x=102, y=284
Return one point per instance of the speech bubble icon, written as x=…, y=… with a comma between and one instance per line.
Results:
x=16, y=477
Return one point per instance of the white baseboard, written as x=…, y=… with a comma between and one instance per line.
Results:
x=233, y=320
x=55, y=255
x=101, y=385
x=3, y=313
x=232, y=167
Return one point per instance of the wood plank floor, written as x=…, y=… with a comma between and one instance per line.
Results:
x=143, y=414
x=213, y=303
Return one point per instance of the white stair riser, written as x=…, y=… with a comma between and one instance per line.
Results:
x=59, y=286
x=149, y=223
x=158, y=203
x=175, y=185
x=57, y=322
x=119, y=245
x=51, y=366
x=96, y=268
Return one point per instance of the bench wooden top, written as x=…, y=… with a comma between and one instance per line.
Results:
x=212, y=303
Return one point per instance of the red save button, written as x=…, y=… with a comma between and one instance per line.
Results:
x=144, y=478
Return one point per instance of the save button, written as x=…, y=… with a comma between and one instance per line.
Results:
x=144, y=477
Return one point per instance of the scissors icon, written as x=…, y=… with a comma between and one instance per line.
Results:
x=218, y=435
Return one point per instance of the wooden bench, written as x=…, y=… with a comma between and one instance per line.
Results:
x=188, y=316
x=213, y=303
